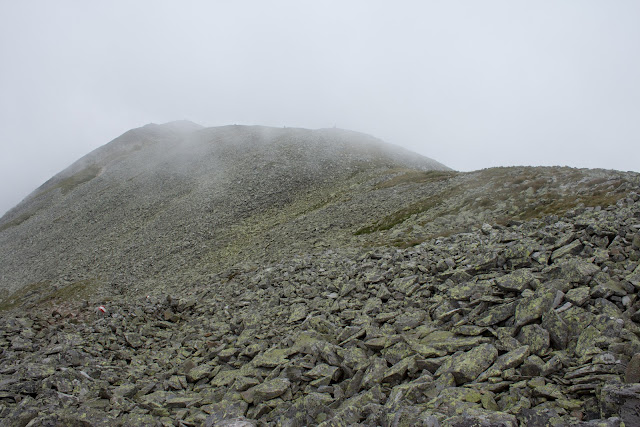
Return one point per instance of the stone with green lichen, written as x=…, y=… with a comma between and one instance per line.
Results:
x=355, y=358
x=460, y=343
x=455, y=400
x=349, y=412
x=573, y=270
x=467, y=366
x=181, y=401
x=224, y=410
x=227, y=353
x=482, y=418
x=272, y=357
x=125, y=390
x=199, y=372
x=517, y=281
x=225, y=377
x=374, y=373
x=267, y=390
x=406, y=285
x=243, y=383
x=397, y=352
x=409, y=320
x=496, y=314
x=323, y=370
x=317, y=406
x=531, y=308
x=532, y=366
x=586, y=342
x=634, y=277
x=536, y=337
x=512, y=359
x=578, y=296
x=464, y=291
x=177, y=382
x=134, y=340
x=398, y=371
x=573, y=248
x=298, y=312
x=557, y=329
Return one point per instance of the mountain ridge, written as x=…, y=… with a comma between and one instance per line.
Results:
x=262, y=277
x=147, y=170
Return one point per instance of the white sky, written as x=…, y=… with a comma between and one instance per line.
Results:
x=472, y=84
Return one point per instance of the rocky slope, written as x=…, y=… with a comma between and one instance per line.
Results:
x=162, y=200
x=383, y=295
x=533, y=323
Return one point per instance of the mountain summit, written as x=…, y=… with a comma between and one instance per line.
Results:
x=162, y=199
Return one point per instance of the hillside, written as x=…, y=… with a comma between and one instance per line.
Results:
x=260, y=276
x=162, y=200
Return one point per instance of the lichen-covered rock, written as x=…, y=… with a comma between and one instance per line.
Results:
x=517, y=281
x=477, y=418
x=632, y=373
x=557, y=329
x=267, y=390
x=536, y=337
x=467, y=366
x=199, y=372
x=497, y=314
x=533, y=307
x=621, y=400
x=578, y=296
x=509, y=360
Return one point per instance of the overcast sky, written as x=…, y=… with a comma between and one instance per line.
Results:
x=472, y=84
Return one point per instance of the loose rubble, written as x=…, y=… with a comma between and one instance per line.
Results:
x=531, y=323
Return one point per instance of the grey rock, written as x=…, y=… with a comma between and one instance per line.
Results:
x=199, y=372
x=268, y=390
x=467, y=366
x=536, y=337
x=517, y=281
x=621, y=400
x=557, y=329
x=632, y=373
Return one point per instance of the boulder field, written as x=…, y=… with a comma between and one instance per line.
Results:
x=533, y=323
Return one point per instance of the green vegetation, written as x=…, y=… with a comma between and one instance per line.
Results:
x=16, y=221
x=40, y=293
x=410, y=177
x=498, y=195
x=558, y=205
x=68, y=184
x=416, y=177
x=85, y=175
x=400, y=216
x=65, y=186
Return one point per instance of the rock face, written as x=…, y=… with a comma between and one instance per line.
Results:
x=526, y=319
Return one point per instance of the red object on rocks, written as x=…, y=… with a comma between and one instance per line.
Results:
x=102, y=309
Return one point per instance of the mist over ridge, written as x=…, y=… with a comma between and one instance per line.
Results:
x=150, y=182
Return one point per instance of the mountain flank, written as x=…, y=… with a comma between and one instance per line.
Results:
x=253, y=276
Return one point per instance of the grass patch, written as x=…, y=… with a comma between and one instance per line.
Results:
x=18, y=297
x=85, y=175
x=70, y=183
x=501, y=195
x=416, y=177
x=400, y=216
x=16, y=221
x=45, y=293
x=559, y=205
